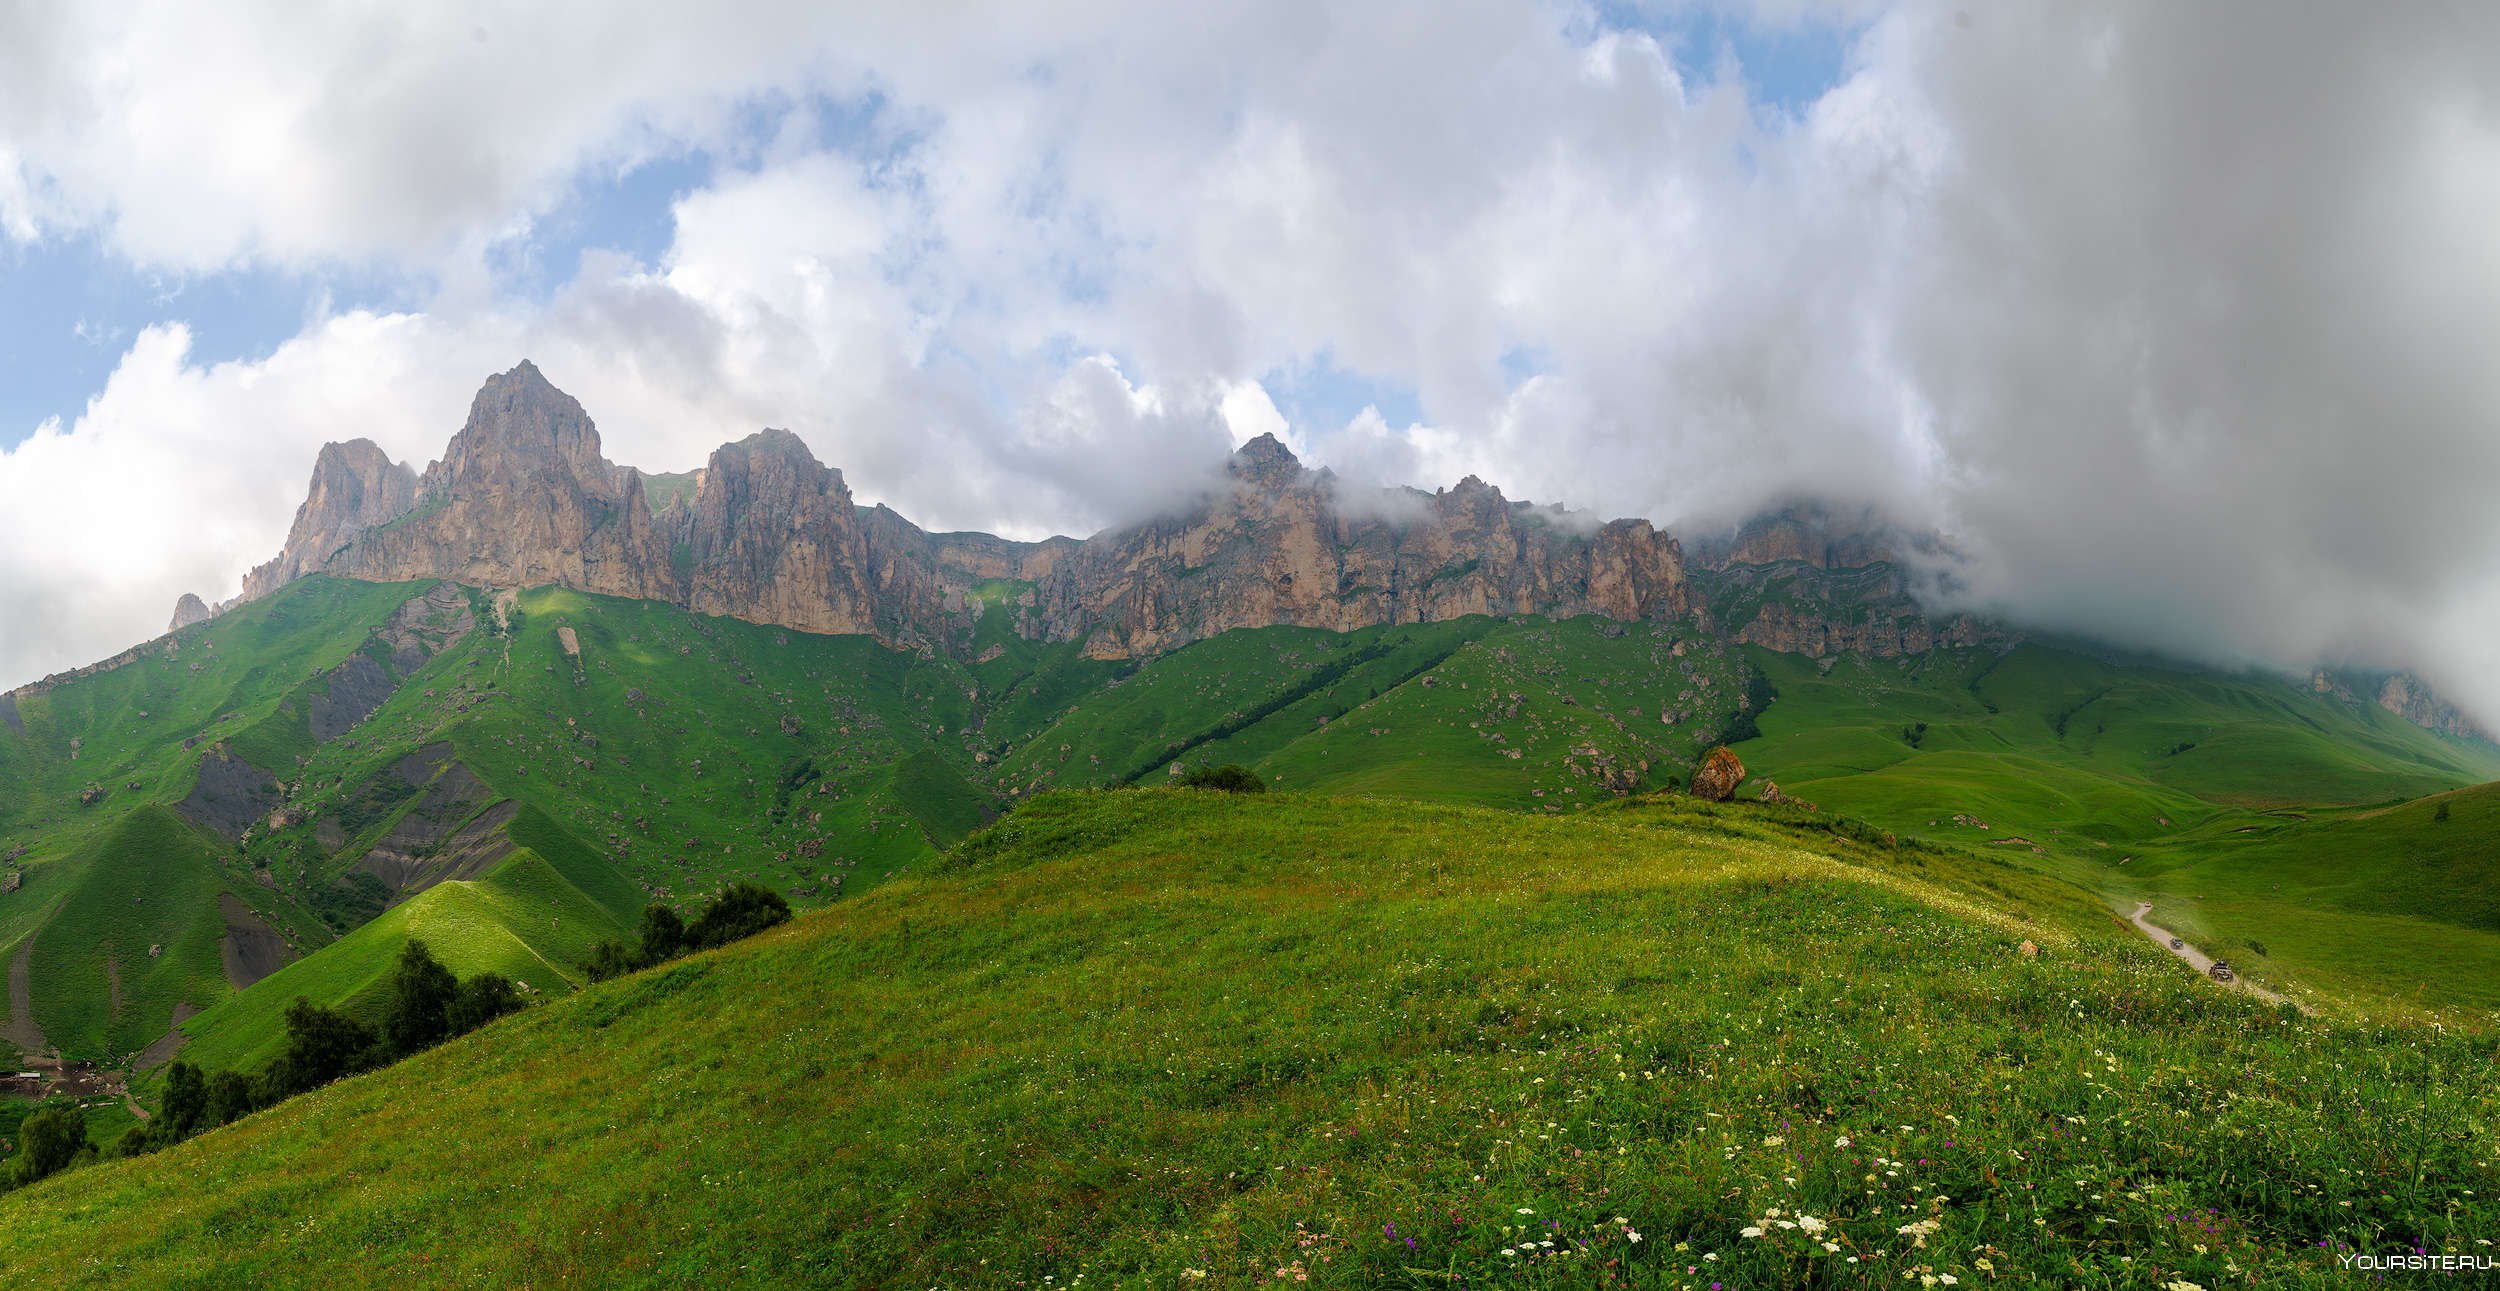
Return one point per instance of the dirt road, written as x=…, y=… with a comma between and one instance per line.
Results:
x=2200, y=961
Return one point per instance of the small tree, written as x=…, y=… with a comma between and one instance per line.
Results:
x=663, y=934
x=2442, y=813
x=186, y=1103
x=612, y=958
x=420, y=993
x=229, y=1098
x=138, y=1141
x=1231, y=778
x=321, y=1046
x=49, y=1141
x=742, y=910
x=483, y=999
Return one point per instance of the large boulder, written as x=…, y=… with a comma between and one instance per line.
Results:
x=1718, y=775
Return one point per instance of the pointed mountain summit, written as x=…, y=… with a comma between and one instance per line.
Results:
x=519, y=425
x=355, y=487
x=522, y=498
x=1266, y=461
x=187, y=611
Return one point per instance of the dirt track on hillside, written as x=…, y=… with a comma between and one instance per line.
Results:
x=2202, y=962
x=22, y=1030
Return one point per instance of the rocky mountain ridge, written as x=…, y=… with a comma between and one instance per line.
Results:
x=522, y=497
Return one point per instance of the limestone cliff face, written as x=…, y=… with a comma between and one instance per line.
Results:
x=522, y=498
x=1808, y=579
x=1808, y=533
x=2402, y=694
x=773, y=537
x=355, y=487
x=1279, y=545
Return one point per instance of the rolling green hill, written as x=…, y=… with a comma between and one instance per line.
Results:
x=278, y=777
x=2149, y=783
x=1167, y=1037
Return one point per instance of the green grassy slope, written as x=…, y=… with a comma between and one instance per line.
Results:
x=659, y=756
x=1428, y=711
x=524, y=919
x=1165, y=1038
x=2148, y=783
x=2074, y=753
x=127, y=927
x=656, y=754
x=2383, y=903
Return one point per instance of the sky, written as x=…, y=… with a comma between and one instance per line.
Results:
x=2177, y=320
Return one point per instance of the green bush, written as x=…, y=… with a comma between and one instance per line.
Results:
x=50, y=1141
x=483, y=999
x=321, y=1046
x=231, y=1097
x=663, y=934
x=742, y=910
x=421, y=991
x=1230, y=778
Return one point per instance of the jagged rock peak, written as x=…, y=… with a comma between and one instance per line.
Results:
x=773, y=444
x=187, y=611
x=355, y=487
x=1265, y=460
x=519, y=421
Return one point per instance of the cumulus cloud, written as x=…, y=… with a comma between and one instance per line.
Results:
x=2172, y=315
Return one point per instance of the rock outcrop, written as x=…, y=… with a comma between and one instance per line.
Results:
x=187, y=611
x=1804, y=579
x=1280, y=545
x=1807, y=533
x=355, y=487
x=2402, y=694
x=523, y=497
x=1715, y=780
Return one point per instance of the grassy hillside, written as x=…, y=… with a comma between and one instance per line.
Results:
x=1163, y=1037
x=2075, y=752
x=2396, y=903
x=2149, y=783
x=524, y=920
x=366, y=749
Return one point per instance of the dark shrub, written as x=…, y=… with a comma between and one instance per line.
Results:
x=1230, y=778
x=321, y=1046
x=185, y=1108
x=663, y=934
x=483, y=999
x=49, y=1140
x=229, y=1098
x=742, y=910
x=418, y=1000
x=612, y=959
